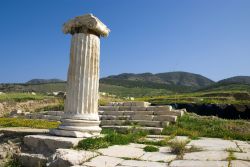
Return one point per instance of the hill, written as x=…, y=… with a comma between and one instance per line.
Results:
x=44, y=81
x=236, y=79
x=174, y=81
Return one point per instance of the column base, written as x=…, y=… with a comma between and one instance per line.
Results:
x=77, y=128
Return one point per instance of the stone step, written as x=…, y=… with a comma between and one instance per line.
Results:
x=112, y=117
x=126, y=129
x=146, y=123
x=51, y=117
x=172, y=112
x=31, y=160
x=46, y=145
x=142, y=117
x=169, y=118
x=159, y=108
x=55, y=113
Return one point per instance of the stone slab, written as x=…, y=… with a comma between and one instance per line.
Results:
x=169, y=118
x=48, y=144
x=70, y=157
x=108, y=108
x=135, y=163
x=158, y=156
x=193, y=163
x=207, y=156
x=31, y=160
x=242, y=156
x=142, y=117
x=147, y=123
x=72, y=133
x=144, y=112
x=122, y=151
x=213, y=144
x=102, y=161
x=239, y=163
x=114, y=113
x=159, y=108
x=138, y=108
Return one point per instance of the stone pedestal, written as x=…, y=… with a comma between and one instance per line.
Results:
x=81, y=106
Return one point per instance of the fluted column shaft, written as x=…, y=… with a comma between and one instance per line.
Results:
x=83, y=78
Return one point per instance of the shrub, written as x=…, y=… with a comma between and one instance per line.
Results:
x=93, y=144
x=150, y=149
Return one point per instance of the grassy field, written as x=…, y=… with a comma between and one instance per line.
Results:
x=20, y=97
x=20, y=122
x=200, y=126
x=215, y=97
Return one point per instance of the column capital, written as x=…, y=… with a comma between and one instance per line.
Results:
x=86, y=24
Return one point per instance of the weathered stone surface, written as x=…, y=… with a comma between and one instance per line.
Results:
x=193, y=163
x=129, y=113
x=122, y=151
x=173, y=113
x=135, y=163
x=165, y=118
x=124, y=108
x=159, y=108
x=102, y=161
x=31, y=160
x=206, y=156
x=138, y=108
x=242, y=156
x=113, y=122
x=147, y=123
x=114, y=113
x=239, y=163
x=68, y=157
x=55, y=113
x=51, y=117
x=243, y=145
x=142, y=117
x=158, y=156
x=48, y=144
x=213, y=144
x=140, y=104
x=108, y=108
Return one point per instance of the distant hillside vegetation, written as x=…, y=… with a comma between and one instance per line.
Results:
x=175, y=81
x=237, y=79
x=44, y=81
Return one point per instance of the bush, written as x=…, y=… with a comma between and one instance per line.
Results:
x=150, y=149
x=93, y=144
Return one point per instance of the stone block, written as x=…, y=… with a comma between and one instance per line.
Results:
x=113, y=122
x=69, y=157
x=147, y=123
x=36, y=116
x=206, y=156
x=239, y=163
x=194, y=163
x=138, y=108
x=129, y=113
x=101, y=161
x=114, y=113
x=158, y=156
x=174, y=113
x=48, y=144
x=108, y=108
x=168, y=118
x=142, y=117
x=31, y=160
x=124, y=108
x=122, y=151
x=178, y=113
x=164, y=124
x=51, y=117
x=144, y=112
x=140, y=103
x=55, y=113
x=159, y=108
x=136, y=163
x=127, y=103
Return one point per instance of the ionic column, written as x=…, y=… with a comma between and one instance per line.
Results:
x=81, y=106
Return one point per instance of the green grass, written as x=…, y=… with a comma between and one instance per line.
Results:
x=199, y=126
x=20, y=97
x=151, y=149
x=213, y=97
x=111, y=138
x=20, y=122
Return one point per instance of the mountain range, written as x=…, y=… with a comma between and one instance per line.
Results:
x=144, y=84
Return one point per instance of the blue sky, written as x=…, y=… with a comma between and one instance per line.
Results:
x=208, y=37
